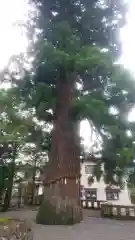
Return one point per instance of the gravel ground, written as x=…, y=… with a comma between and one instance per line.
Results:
x=92, y=228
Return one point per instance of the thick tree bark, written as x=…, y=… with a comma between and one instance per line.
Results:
x=8, y=194
x=61, y=203
x=33, y=182
x=11, y=174
x=19, y=195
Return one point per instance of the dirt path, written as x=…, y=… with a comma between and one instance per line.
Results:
x=92, y=228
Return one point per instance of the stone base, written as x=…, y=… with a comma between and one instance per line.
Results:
x=15, y=229
x=121, y=212
x=60, y=212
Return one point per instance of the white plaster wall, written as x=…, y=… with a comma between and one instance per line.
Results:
x=124, y=196
x=84, y=176
x=101, y=194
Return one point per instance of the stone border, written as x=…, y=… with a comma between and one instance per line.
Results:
x=118, y=211
x=16, y=229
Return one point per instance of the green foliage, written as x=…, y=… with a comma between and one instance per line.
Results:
x=5, y=220
x=131, y=181
x=132, y=198
x=17, y=128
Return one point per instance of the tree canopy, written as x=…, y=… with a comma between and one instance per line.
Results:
x=80, y=37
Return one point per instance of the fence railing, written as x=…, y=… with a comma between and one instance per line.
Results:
x=118, y=211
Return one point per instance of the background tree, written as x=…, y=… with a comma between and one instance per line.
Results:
x=14, y=134
x=3, y=179
x=21, y=135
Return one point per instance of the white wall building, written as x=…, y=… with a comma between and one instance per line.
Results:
x=100, y=191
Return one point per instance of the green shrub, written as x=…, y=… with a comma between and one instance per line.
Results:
x=4, y=220
x=132, y=198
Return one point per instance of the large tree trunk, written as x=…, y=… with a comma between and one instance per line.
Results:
x=33, y=182
x=8, y=194
x=61, y=202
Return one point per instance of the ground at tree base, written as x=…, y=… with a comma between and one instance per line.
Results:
x=91, y=228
